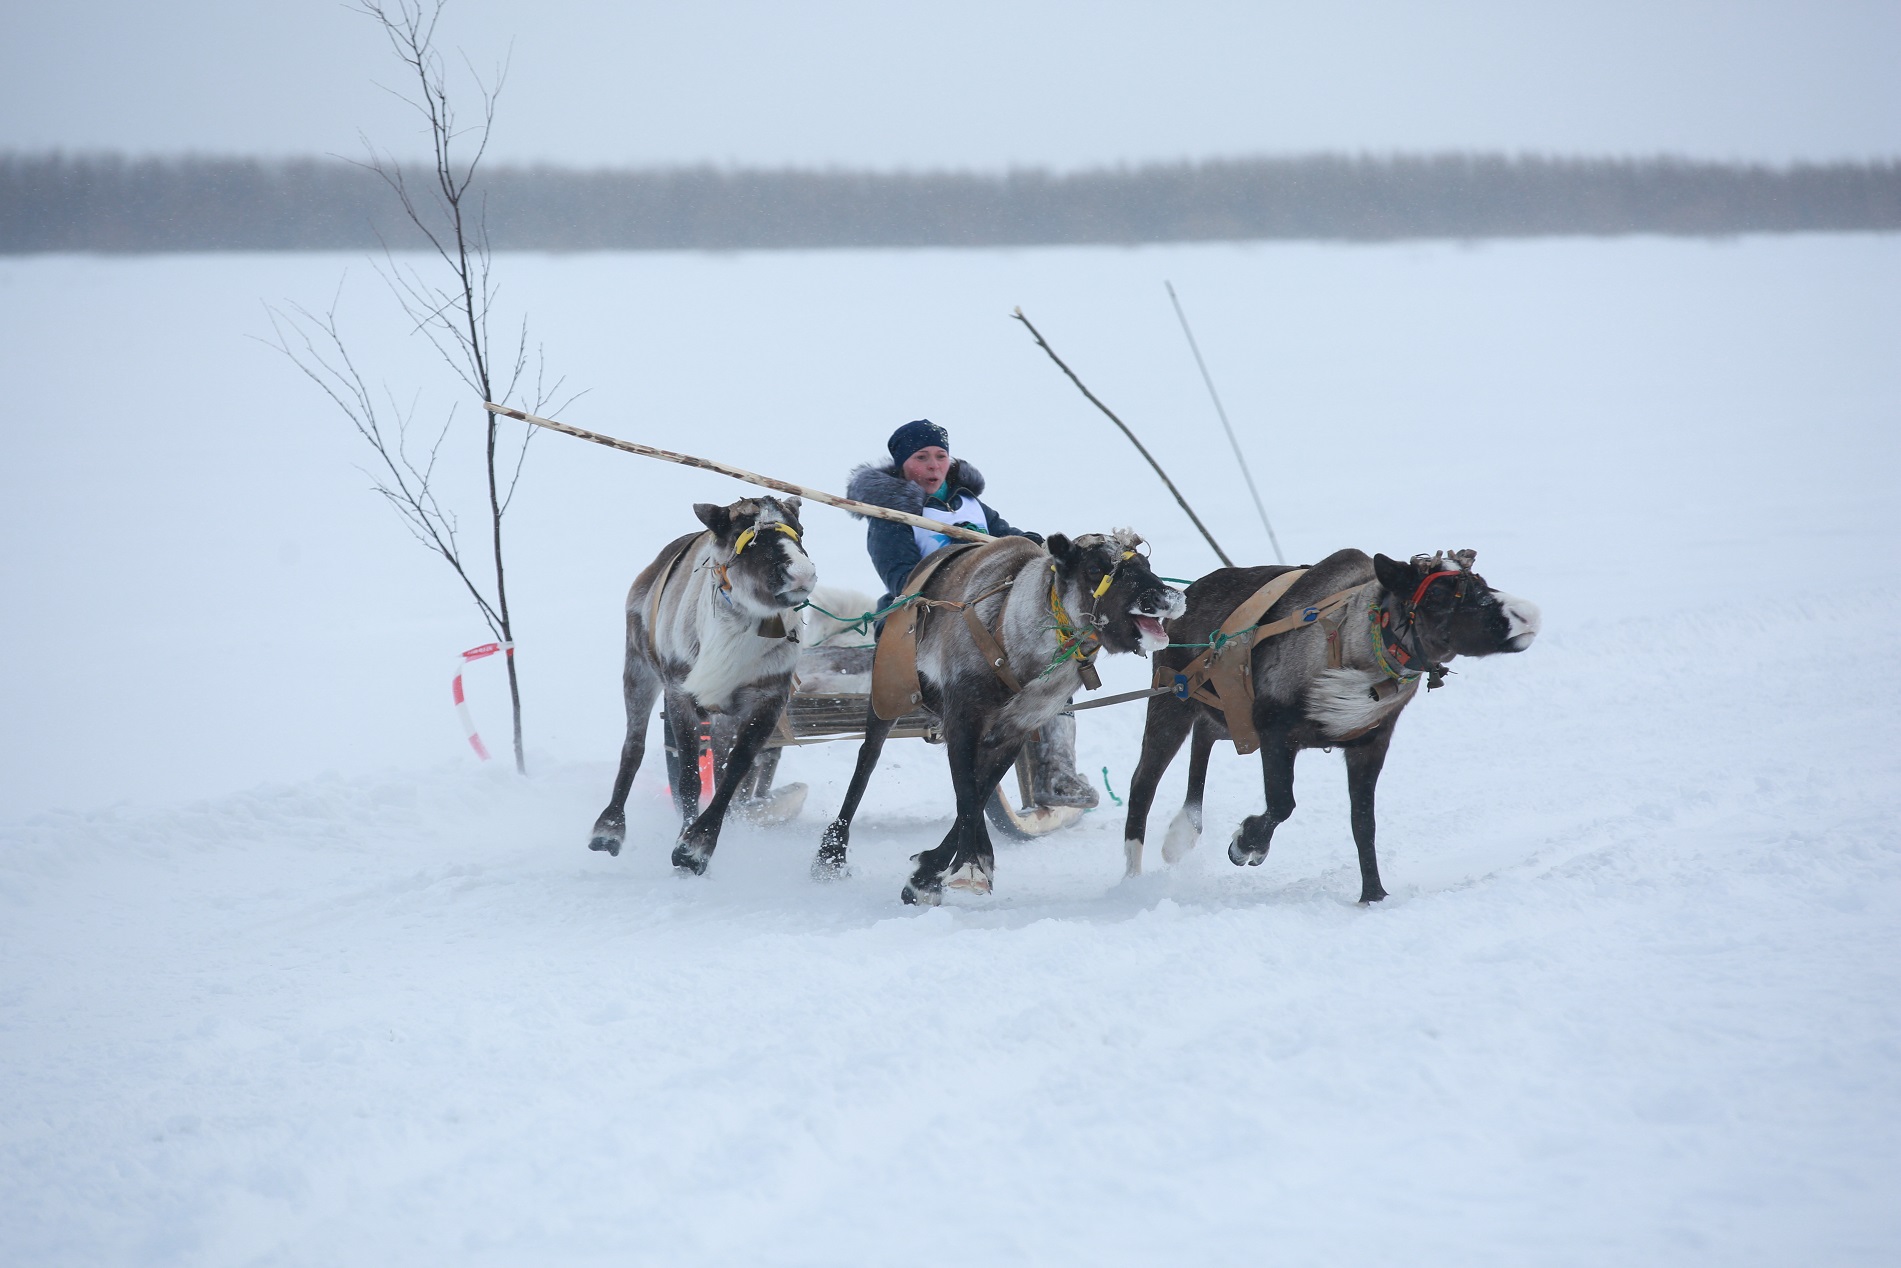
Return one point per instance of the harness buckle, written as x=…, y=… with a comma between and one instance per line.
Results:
x=1180, y=689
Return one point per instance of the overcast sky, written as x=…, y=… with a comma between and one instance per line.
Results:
x=976, y=83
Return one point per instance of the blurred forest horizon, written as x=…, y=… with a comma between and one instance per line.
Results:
x=112, y=203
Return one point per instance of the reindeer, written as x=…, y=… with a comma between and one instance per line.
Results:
x=1337, y=659
x=1003, y=671
x=707, y=627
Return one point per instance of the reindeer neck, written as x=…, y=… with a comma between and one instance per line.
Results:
x=1400, y=649
x=1074, y=642
x=721, y=612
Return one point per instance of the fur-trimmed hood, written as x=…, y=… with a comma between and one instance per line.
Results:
x=883, y=484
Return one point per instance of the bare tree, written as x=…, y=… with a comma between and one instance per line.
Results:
x=449, y=301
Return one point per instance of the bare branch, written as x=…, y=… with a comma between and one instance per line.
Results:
x=450, y=212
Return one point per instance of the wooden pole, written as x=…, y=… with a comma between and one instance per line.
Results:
x=1140, y=448
x=739, y=473
x=1222, y=414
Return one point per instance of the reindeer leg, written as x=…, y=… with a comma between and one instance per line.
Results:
x=830, y=864
x=1162, y=735
x=683, y=719
x=639, y=686
x=1185, y=831
x=1256, y=832
x=1365, y=757
x=760, y=713
x=764, y=768
x=978, y=763
x=994, y=760
x=926, y=886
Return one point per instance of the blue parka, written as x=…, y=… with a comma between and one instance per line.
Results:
x=894, y=548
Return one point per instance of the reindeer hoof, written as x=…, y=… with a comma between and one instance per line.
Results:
x=1241, y=856
x=1183, y=835
x=1370, y=896
x=916, y=894
x=830, y=864
x=609, y=831
x=971, y=878
x=689, y=860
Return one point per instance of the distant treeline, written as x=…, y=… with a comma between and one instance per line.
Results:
x=59, y=203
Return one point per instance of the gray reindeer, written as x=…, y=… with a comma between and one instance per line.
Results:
x=1345, y=643
x=707, y=627
x=1006, y=633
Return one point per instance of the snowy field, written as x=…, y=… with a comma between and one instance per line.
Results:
x=286, y=977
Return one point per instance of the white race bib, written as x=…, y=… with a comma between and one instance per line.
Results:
x=967, y=511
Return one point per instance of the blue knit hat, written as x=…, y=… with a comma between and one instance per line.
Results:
x=918, y=434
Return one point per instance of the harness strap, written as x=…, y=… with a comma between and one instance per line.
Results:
x=1336, y=651
x=895, y=689
x=1069, y=645
x=747, y=538
x=1420, y=593
x=660, y=588
x=1222, y=677
x=1435, y=673
x=1230, y=666
x=1255, y=606
x=986, y=641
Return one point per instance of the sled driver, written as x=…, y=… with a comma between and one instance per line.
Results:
x=922, y=478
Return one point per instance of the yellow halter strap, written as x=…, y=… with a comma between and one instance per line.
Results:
x=747, y=538
x=1102, y=587
x=1069, y=640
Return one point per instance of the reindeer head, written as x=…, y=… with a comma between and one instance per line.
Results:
x=1107, y=586
x=760, y=563
x=1453, y=611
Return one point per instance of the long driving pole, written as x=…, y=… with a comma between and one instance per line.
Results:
x=1225, y=426
x=1140, y=448
x=740, y=473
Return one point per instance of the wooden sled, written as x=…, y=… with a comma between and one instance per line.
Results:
x=830, y=698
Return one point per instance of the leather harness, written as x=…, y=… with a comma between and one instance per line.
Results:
x=660, y=587
x=895, y=689
x=1222, y=676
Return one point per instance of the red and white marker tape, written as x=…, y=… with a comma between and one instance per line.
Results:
x=461, y=702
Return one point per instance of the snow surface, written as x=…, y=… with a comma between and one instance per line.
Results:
x=286, y=977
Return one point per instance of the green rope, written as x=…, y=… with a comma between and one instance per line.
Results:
x=862, y=623
x=1073, y=652
x=1111, y=791
x=1179, y=581
x=1221, y=640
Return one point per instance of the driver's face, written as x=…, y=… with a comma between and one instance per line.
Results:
x=927, y=468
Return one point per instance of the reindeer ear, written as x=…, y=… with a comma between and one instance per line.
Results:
x=1395, y=576
x=791, y=505
x=1061, y=549
x=714, y=517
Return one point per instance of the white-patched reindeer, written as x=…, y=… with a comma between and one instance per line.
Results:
x=708, y=629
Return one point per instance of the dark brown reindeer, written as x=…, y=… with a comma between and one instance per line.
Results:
x=1332, y=660
x=707, y=626
x=1044, y=613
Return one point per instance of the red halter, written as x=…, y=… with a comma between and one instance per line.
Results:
x=1420, y=593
